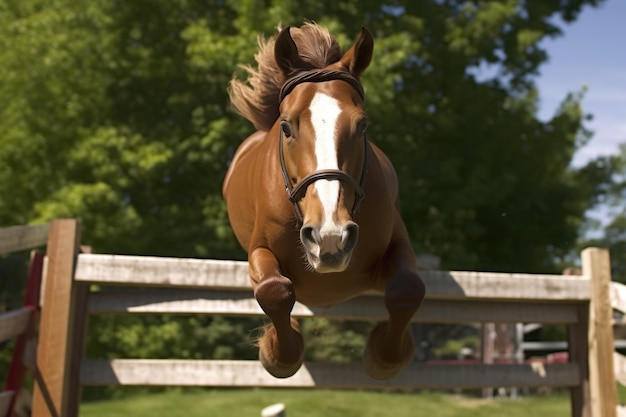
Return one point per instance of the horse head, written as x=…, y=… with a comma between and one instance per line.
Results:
x=323, y=148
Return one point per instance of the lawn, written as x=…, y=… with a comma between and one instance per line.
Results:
x=322, y=403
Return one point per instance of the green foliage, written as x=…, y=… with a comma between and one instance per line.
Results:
x=332, y=341
x=116, y=113
x=613, y=234
x=452, y=347
x=12, y=292
x=490, y=185
x=162, y=337
x=110, y=119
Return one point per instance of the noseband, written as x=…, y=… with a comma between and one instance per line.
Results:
x=297, y=192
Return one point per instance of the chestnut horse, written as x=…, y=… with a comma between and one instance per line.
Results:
x=336, y=231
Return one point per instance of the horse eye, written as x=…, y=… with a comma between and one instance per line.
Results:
x=361, y=128
x=284, y=126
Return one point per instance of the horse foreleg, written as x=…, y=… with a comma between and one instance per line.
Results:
x=281, y=347
x=390, y=347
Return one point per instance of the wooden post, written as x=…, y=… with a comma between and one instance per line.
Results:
x=61, y=329
x=518, y=352
x=579, y=353
x=603, y=391
x=487, y=336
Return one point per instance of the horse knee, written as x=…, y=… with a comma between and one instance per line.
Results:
x=405, y=292
x=276, y=296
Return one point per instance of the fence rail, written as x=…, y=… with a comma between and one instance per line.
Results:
x=13, y=323
x=19, y=238
x=20, y=323
x=194, y=286
x=202, y=273
x=370, y=307
x=219, y=373
x=150, y=285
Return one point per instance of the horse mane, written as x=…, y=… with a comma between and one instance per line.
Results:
x=256, y=99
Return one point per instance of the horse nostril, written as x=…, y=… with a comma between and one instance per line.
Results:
x=309, y=235
x=349, y=236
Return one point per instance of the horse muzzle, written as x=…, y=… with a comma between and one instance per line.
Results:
x=329, y=249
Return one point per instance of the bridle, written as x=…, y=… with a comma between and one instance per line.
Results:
x=297, y=192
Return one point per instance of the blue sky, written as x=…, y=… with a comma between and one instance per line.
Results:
x=592, y=52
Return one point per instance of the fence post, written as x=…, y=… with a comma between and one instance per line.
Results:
x=61, y=329
x=487, y=338
x=578, y=351
x=603, y=391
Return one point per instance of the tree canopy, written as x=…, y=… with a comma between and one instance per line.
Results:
x=117, y=113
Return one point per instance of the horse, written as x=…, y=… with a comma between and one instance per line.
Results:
x=313, y=202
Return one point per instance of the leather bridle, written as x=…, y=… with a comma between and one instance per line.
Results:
x=297, y=192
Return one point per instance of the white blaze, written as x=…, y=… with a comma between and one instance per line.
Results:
x=324, y=114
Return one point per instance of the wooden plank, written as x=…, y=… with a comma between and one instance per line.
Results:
x=56, y=386
x=579, y=354
x=618, y=296
x=229, y=302
x=603, y=392
x=488, y=285
x=487, y=347
x=76, y=350
x=13, y=323
x=6, y=398
x=619, y=363
x=18, y=238
x=24, y=348
x=198, y=273
x=165, y=272
x=322, y=375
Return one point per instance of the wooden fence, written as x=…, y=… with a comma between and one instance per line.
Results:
x=191, y=286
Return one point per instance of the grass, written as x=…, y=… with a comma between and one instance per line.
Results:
x=326, y=403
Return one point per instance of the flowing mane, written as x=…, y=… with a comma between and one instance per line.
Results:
x=256, y=99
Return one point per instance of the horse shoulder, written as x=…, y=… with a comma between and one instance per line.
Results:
x=393, y=240
x=388, y=172
x=242, y=153
x=241, y=185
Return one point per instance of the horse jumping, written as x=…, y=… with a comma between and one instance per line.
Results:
x=313, y=202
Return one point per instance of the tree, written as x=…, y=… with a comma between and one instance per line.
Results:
x=613, y=234
x=107, y=116
x=116, y=113
x=491, y=187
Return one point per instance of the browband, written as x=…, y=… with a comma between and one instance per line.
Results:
x=318, y=76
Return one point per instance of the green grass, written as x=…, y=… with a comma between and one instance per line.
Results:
x=322, y=403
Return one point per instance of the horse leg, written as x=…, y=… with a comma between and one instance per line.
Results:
x=281, y=347
x=390, y=346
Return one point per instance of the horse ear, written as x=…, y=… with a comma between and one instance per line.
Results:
x=286, y=53
x=357, y=58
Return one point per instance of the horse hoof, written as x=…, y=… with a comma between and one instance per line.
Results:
x=278, y=370
x=373, y=361
x=278, y=362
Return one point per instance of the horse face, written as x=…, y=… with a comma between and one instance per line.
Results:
x=325, y=130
